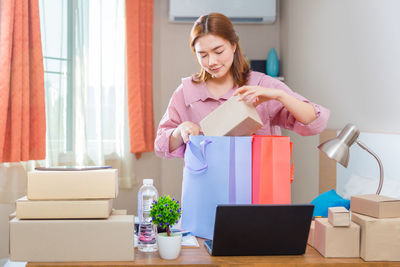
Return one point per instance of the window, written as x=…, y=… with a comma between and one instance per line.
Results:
x=84, y=60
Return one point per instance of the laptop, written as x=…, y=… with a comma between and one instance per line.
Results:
x=247, y=230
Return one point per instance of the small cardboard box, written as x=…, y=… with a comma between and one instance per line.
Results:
x=72, y=240
x=310, y=240
x=63, y=209
x=232, y=118
x=339, y=242
x=380, y=238
x=377, y=206
x=68, y=185
x=339, y=216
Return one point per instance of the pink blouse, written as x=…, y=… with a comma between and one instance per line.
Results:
x=192, y=102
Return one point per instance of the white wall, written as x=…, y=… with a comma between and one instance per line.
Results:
x=344, y=55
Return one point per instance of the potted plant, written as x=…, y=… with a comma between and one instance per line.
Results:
x=165, y=212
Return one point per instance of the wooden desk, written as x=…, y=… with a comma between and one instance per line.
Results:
x=200, y=256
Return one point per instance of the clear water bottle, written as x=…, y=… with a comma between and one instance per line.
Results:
x=147, y=230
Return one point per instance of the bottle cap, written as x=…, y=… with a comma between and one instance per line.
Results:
x=148, y=181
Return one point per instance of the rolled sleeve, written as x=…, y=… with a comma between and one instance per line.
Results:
x=168, y=124
x=161, y=145
x=280, y=116
x=317, y=125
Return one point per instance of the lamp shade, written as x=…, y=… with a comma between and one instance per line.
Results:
x=338, y=148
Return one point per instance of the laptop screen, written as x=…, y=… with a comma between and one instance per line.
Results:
x=261, y=229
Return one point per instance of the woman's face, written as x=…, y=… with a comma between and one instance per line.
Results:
x=215, y=55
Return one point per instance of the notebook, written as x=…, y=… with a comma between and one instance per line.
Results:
x=246, y=230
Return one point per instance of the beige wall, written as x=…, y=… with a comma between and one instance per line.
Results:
x=174, y=60
x=344, y=55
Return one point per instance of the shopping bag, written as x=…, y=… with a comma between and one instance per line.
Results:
x=217, y=171
x=272, y=169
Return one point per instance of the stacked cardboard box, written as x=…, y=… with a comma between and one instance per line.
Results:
x=66, y=217
x=310, y=240
x=379, y=218
x=337, y=236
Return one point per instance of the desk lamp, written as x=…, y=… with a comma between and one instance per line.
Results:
x=338, y=149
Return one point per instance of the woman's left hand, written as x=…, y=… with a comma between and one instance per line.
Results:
x=257, y=94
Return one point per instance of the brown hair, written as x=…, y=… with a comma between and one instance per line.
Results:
x=220, y=25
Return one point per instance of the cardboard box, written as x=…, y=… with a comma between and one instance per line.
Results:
x=119, y=212
x=339, y=242
x=68, y=185
x=380, y=238
x=377, y=206
x=63, y=209
x=232, y=118
x=72, y=240
x=310, y=240
x=5, y=210
x=339, y=216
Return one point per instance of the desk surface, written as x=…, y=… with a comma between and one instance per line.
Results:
x=200, y=256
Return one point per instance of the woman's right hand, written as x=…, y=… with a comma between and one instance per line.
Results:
x=181, y=134
x=188, y=128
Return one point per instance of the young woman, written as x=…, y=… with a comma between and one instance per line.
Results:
x=225, y=72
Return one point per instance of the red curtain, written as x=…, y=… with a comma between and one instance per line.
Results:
x=22, y=96
x=139, y=40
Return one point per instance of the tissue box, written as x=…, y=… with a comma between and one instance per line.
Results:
x=339, y=242
x=63, y=209
x=72, y=240
x=89, y=184
x=376, y=206
x=338, y=216
x=232, y=118
x=380, y=238
x=310, y=240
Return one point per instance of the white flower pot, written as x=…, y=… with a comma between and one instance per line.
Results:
x=169, y=247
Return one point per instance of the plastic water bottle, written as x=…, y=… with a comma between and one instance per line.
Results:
x=147, y=230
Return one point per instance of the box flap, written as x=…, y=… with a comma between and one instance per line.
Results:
x=357, y=218
x=339, y=209
x=377, y=198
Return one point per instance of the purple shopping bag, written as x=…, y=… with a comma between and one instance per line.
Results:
x=217, y=171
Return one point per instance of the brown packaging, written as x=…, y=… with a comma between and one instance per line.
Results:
x=310, y=240
x=88, y=184
x=232, y=118
x=339, y=216
x=380, y=238
x=377, y=206
x=72, y=240
x=339, y=242
x=63, y=209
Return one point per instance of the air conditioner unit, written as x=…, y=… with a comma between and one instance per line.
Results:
x=239, y=11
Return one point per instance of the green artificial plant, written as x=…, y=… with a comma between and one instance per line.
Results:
x=165, y=212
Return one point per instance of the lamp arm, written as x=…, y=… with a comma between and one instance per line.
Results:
x=363, y=146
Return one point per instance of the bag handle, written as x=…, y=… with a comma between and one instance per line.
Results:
x=199, y=154
x=292, y=164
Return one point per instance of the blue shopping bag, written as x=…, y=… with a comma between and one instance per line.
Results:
x=217, y=171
